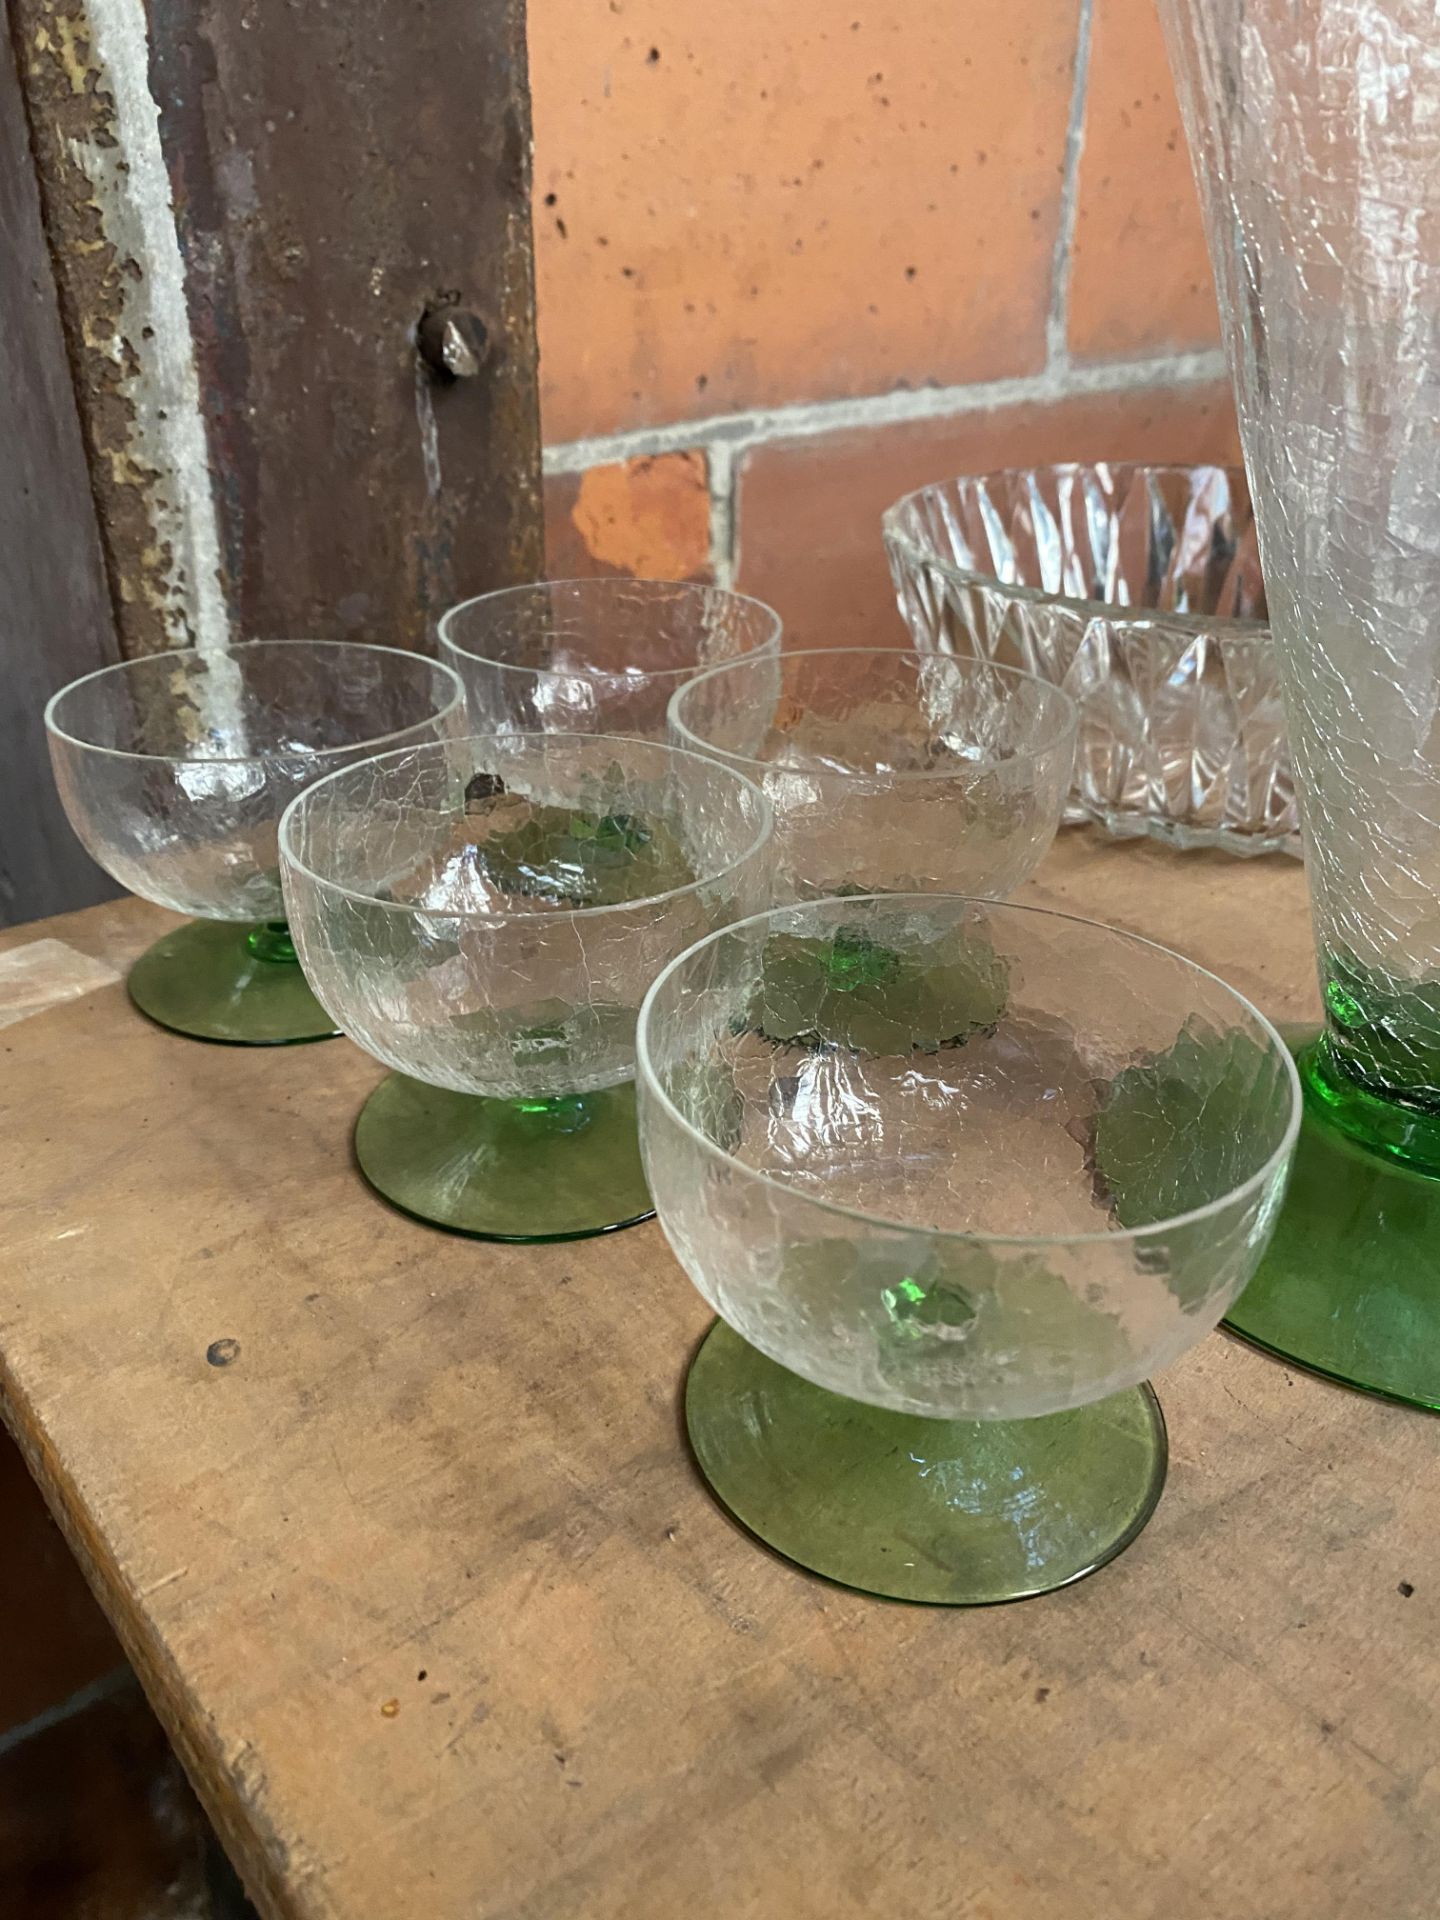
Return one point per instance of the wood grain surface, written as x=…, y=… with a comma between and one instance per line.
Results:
x=427, y=1592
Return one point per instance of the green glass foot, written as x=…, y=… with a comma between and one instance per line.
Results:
x=1398, y=1129
x=222, y=980
x=558, y=1169
x=958, y=1513
x=1350, y=1285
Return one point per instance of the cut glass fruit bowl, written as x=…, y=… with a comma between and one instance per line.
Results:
x=1138, y=590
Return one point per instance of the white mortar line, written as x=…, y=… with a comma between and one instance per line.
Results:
x=736, y=431
x=132, y=190
x=724, y=527
x=1057, y=324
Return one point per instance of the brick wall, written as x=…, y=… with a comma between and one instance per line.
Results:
x=794, y=260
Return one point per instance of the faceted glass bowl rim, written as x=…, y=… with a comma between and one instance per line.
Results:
x=1126, y=621
x=1065, y=708
x=290, y=858
x=603, y=589
x=1276, y=1160
x=188, y=654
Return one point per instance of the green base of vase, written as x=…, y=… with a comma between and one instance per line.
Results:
x=560, y=1169
x=955, y=1513
x=1350, y=1285
x=222, y=980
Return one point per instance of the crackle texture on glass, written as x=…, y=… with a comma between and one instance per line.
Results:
x=890, y=771
x=1315, y=133
x=595, y=656
x=485, y=914
x=174, y=770
x=958, y=1159
x=1138, y=590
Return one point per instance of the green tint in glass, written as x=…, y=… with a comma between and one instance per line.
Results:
x=850, y=990
x=1352, y=572
x=221, y=980
x=953, y=1512
x=484, y=918
x=1350, y=1287
x=1400, y=1128
x=958, y=1177
x=174, y=771
x=545, y=1169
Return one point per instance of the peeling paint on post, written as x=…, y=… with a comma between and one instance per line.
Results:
x=250, y=208
x=114, y=240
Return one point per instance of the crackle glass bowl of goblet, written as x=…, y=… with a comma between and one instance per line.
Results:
x=957, y=1177
x=596, y=656
x=174, y=771
x=889, y=769
x=483, y=916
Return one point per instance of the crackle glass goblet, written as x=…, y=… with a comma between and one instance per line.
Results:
x=957, y=1177
x=484, y=916
x=890, y=770
x=1313, y=134
x=595, y=656
x=174, y=771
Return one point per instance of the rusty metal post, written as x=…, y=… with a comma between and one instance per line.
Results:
x=292, y=245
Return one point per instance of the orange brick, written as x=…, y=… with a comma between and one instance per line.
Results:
x=750, y=205
x=809, y=510
x=650, y=518
x=1140, y=274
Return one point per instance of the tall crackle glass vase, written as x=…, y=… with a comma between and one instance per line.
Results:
x=1315, y=133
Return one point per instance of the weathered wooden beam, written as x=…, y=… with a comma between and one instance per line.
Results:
x=252, y=205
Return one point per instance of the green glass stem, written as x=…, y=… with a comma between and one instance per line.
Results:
x=555, y=1169
x=272, y=942
x=1350, y=1285
x=1382, y=1032
x=222, y=980
x=953, y=1513
x=1398, y=1128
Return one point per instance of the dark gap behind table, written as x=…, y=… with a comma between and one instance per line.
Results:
x=97, y=1819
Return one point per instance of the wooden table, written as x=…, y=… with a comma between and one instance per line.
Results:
x=428, y=1595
